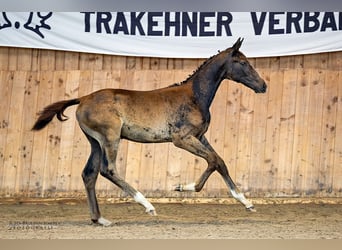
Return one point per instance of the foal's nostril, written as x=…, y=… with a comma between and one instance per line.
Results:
x=264, y=87
x=260, y=88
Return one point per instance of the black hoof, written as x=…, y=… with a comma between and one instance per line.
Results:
x=251, y=209
x=179, y=188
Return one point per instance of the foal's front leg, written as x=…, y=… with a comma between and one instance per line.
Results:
x=202, y=148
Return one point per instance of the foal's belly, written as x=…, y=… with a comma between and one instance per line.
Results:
x=146, y=134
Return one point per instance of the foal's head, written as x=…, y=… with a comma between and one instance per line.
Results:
x=239, y=69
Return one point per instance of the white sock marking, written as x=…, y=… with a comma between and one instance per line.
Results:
x=240, y=197
x=104, y=222
x=189, y=187
x=140, y=198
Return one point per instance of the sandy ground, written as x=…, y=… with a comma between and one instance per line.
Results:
x=65, y=220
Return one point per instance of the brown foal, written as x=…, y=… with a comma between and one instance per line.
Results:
x=178, y=114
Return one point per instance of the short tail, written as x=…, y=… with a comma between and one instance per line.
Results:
x=57, y=108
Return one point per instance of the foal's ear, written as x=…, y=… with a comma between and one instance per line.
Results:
x=237, y=45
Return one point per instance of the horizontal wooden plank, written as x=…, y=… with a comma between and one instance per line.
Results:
x=41, y=59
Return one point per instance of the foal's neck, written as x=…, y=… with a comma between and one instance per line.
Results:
x=206, y=82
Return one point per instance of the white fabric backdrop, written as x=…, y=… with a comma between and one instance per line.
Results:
x=174, y=34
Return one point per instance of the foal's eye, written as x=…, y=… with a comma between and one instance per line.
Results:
x=243, y=63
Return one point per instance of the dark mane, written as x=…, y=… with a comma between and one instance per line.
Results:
x=198, y=69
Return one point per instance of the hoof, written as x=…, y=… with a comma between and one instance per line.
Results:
x=151, y=212
x=251, y=209
x=103, y=222
x=179, y=188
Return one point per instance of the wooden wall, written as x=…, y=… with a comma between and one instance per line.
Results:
x=287, y=142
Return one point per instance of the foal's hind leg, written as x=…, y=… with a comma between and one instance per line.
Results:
x=108, y=169
x=203, y=149
x=89, y=176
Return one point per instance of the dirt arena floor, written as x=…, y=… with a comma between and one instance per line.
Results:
x=70, y=220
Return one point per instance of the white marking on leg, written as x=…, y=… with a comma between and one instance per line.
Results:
x=102, y=221
x=240, y=197
x=189, y=187
x=140, y=198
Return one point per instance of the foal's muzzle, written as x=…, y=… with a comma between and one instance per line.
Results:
x=262, y=89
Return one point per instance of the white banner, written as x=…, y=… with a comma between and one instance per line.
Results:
x=174, y=34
